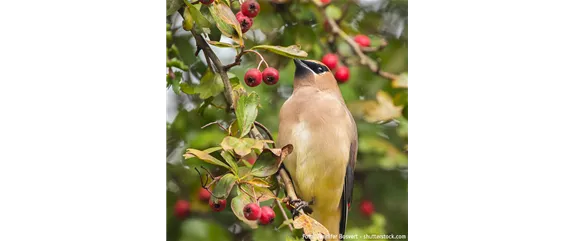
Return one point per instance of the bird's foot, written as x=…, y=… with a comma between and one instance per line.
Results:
x=299, y=205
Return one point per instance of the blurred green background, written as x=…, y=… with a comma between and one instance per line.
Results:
x=380, y=112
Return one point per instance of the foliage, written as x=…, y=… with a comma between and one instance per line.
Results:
x=206, y=144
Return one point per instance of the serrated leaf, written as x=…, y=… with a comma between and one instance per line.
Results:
x=187, y=19
x=172, y=6
x=313, y=229
x=246, y=112
x=230, y=161
x=241, y=147
x=293, y=51
x=224, y=186
x=269, y=161
x=209, y=85
x=190, y=153
x=222, y=44
x=237, y=205
x=401, y=81
x=226, y=21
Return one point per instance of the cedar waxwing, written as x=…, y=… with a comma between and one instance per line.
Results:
x=316, y=121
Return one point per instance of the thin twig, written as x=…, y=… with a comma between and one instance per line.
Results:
x=267, y=132
x=215, y=122
x=228, y=92
x=365, y=60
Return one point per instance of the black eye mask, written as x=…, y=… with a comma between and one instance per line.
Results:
x=316, y=67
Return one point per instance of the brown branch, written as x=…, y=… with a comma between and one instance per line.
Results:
x=364, y=59
x=228, y=92
x=220, y=69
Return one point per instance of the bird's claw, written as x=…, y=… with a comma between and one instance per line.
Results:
x=299, y=204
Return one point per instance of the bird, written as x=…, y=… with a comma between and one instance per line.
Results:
x=317, y=123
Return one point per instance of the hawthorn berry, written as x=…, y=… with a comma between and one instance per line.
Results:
x=270, y=75
x=218, y=205
x=330, y=60
x=342, y=74
x=367, y=208
x=252, y=211
x=362, y=40
x=250, y=8
x=267, y=215
x=206, y=1
x=244, y=21
x=181, y=209
x=252, y=77
x=325, y=1
x=204, y=194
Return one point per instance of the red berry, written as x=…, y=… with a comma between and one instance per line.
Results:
x=325, y=1
x=252, y=211
x=342, y=74
x=252, y=77
x=244, y=21
x=362, y=40
x=267, y=215
x=330, y=60
x=204, y=194
x=270, y=75
x=250, y=8
x=218, y=205
x=206, y=1
x=181, y=209
x=367, y=208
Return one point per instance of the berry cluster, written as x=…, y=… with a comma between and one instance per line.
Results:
x=264, y=214
x=331, y=60
x=249, y=10
x=341, y=72
x=182, y=207
x=253, y=77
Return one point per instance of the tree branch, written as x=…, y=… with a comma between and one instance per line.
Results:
x=364, y=59
x=219, y=69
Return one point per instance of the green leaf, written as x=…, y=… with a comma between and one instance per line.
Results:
x=333, y=12
x=226, y=21
x=186, y=88
x=174, y=62
x=230, y=161
x=269, y=161
x=172, y=6
x=258, y=182
x=197, y=17
x=246, y=112
x=224, y=186
x=293, y=51
x=203, y=156
x=243, y=146
x=204, y=105
x=237, y=204
x=209, y=85
x=175, y=82
x=187, y=19
x=223, y=45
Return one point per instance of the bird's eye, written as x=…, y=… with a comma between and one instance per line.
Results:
x=320, y=69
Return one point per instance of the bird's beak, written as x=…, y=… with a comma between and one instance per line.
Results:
x=301, y=69
x=298, y=63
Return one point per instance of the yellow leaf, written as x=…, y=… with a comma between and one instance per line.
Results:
x=382, y=109
x=312, y=229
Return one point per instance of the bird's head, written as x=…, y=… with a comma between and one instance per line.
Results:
x=313, y=73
